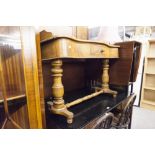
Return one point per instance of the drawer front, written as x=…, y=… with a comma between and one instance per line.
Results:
x=70, y=49
x=99, y=51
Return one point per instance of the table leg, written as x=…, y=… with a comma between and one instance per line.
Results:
x=58, y=106
x=105, y=79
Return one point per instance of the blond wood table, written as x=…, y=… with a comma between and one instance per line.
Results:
x=58, y=48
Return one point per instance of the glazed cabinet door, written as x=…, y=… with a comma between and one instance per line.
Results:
x=19, y=99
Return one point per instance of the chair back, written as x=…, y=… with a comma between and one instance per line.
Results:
x=103, y=122
x=126, y=113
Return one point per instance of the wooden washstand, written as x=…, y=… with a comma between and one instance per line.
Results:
x=58, y=49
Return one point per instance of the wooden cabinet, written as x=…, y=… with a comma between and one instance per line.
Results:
x=12, y=82
x=125, y=69
x=20, y=86
x=148, y=87
x=56, y=51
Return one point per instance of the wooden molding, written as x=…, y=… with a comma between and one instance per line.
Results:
x=31, y=76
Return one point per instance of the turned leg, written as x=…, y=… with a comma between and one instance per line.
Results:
x=58, y=106
x=105, y=78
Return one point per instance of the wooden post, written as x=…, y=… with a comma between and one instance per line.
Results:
x=29, y=54
x=105, y=75
x=105, y=79
x=58, y=106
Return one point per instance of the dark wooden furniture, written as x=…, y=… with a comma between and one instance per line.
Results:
x=57, y=50
x=103, y=122
x=123, y=117
x=125, y=69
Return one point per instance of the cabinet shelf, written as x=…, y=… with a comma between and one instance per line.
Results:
x=12, y=96
x=149, y=88
x=149, y=95
x=150, y=66
x=151, y=41
x=150, y=57
x=150, y=73
x=148, y=102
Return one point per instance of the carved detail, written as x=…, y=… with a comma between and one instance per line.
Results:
x=58, y=106
x=105, y=79
x=105, y=75
x=44, y=35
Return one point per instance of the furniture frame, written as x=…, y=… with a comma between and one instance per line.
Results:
x=56, y=49
x=103, y=122
x=123, y=118
x=21, y=96
x=148, y=84
x=87, y=113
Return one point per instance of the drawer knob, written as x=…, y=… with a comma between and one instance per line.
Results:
x=102, y=51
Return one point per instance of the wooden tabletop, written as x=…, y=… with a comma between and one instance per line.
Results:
x=53, y=47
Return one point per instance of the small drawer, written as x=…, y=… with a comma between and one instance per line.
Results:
x=99, y=50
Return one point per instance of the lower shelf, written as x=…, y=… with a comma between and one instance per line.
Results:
x=148, y=105
x=149, y=88
x=12, y=96
x=148, y=102
x=149, y=96
x=84, y=112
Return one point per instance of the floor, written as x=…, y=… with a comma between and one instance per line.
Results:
x=143, y=118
